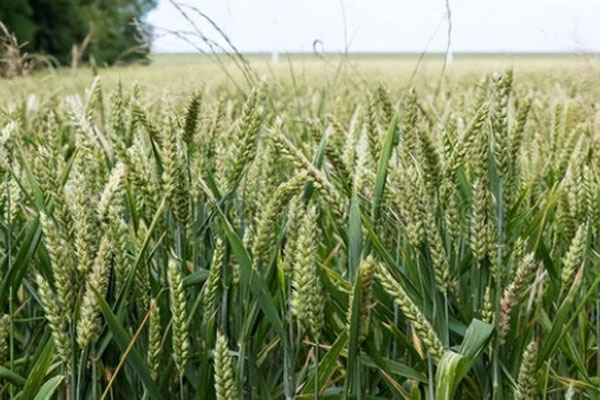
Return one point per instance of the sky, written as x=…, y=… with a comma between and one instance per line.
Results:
x=385, y=25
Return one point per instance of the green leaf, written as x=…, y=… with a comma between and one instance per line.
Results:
x=450, y=371
x=352, y=381
x=327, y=365
x=48, y=388
x=476, y=337
x=354, y=237
x=18, y=269
x=374, y=359
x=8, y=375
x=562, y=321
x=123, y=341
x=195, y=277
x=38, y=196
x=256, y=284
x=454, y=366
x=382, y=168
x=39, y=371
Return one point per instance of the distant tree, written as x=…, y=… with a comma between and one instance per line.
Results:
x=60, y=24
x=17, y=16
x=116, y=37
x=53, y=27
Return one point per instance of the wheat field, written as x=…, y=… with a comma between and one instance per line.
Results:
x=330, y=228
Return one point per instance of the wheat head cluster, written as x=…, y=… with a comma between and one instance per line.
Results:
x=300, y=242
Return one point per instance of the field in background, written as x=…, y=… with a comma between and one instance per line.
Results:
x=182, y=72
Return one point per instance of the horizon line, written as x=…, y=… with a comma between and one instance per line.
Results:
x=375, y=53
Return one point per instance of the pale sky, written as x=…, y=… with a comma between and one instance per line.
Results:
x=389, y=25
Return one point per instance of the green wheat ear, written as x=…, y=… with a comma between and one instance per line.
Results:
x=264, y=227
x=119, y=238
x=57, y=320
x=4, y=333
x=63, y=269
x=431, y=163
x=175, y=175
x=412, y=205
x=487, y=312
x=317, y=177
x=294, y=221
x=422, y=327
x=410, y=140
x=142, y=272
x=527, y=381
x=225, y=385
x=154, y=340
x=383, y=97
x=483, y=222
x=513, y=291
x=366, y=271
x=372, y=133
x=244, y=145
x=214, y=279
x=441, y=268
x=574, y=256
x=112, y=193
x=180, y=327
x=502, y=149
x=83, y=223
x=89, y=325
x=307, y=296
x=191, y=117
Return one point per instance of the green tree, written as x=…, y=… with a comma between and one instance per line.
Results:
x=17, y=16
x=60, y=25
x=115, y=37
x=53, y=27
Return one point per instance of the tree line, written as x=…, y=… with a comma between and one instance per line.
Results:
x=71, y=31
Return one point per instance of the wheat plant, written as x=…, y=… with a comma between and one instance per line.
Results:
x=293, y=241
